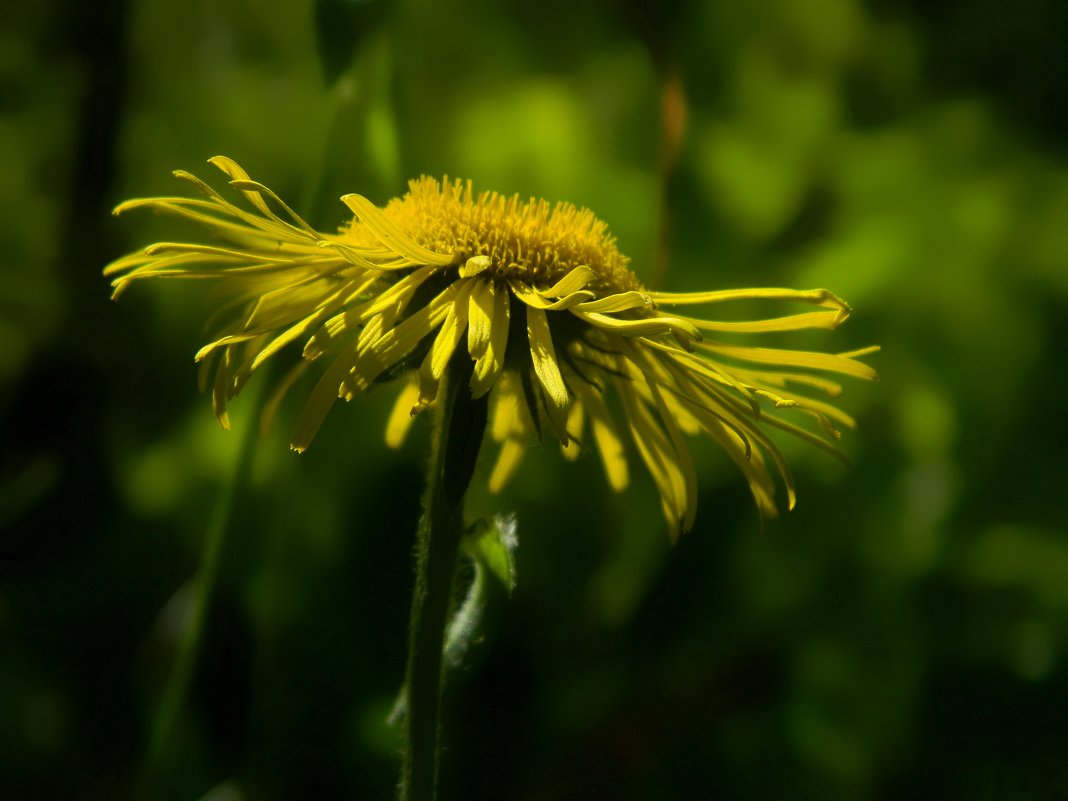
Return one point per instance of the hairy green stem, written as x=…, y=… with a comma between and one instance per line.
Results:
x=459, y=425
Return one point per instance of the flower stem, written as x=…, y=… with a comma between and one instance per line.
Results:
x=459, y=425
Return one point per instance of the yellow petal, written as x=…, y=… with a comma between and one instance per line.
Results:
x=452, y=329
x=511, y=454
x=609, y=443
x=321, y=398
x=390, y=235
x=793, y=358
x=820, y=297
x=220, y=389
x=657, y=453
x=794, y=322
x=354, y=370
x=538, y=301
x=616, y=303
x=489, y=364
x=437, y=359
x=506, y=416
x=400, y=418
x=475, y=266
x=480, y=317
x=543, y=355
x=234, y=171
x=398, y=341
x=576, y=418
x=570, y=283
x=650, y=326
x=682, y=459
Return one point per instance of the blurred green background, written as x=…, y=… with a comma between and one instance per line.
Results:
x=900, y=635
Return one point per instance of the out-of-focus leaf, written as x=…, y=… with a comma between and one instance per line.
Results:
x=341, y=27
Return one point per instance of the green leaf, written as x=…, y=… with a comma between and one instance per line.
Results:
x=492, y=543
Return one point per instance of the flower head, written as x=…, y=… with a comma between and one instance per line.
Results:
x=561, y=334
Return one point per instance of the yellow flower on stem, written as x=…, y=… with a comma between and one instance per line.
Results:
x=561, y=333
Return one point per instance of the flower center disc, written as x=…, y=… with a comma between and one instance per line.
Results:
x=527, y=241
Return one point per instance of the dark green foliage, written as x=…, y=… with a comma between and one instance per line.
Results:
x=901, y=634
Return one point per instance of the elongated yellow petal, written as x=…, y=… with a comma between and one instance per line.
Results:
x=449, y=336
x=609, y=443
x=681, y=453
x=508, y=459
x=480, y=317
x=393, y=300
x=656, y=452
x=489, y=364
x=398, y=342
x=650, y=326
x=543, y=355
x=571, y=283
x=537, y=300
x=820, y=297
x=301, y=329
x=220, y=389
x=576, y=419
x=621, y=301
x=860, y=353
x=250, y=187
x=775, y=378
x=705, y=369
x=401, y=417
x=793, y=358
x=506, y=404
x=392, y=236
x=452, y=329
x=265, y=224
x=794, y=322
x=234, y=171
x=476, y=265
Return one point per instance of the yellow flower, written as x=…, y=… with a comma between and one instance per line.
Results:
x=561, y=333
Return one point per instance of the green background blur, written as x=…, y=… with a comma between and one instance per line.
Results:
x=900, y=635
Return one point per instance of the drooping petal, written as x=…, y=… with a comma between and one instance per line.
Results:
x=682, y=458
x=648, y=326
x=609, y=443
x=510, y=426
x=621, y=301
x=449, y=335
x=656, y=452
x=401, y=417
x=793, y=322
x=844, y=365
x=385, y=307
x=397, y=342
x=538, y=300
x=820, y=297
x=576, y=420
x=488, y=348
x=543, y=355
x=354, y=370
x=574, y=281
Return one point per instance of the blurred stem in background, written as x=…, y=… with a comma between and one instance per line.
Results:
x=656, y=25
x=360, y=145
x=195, y=610
x=673, y=114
